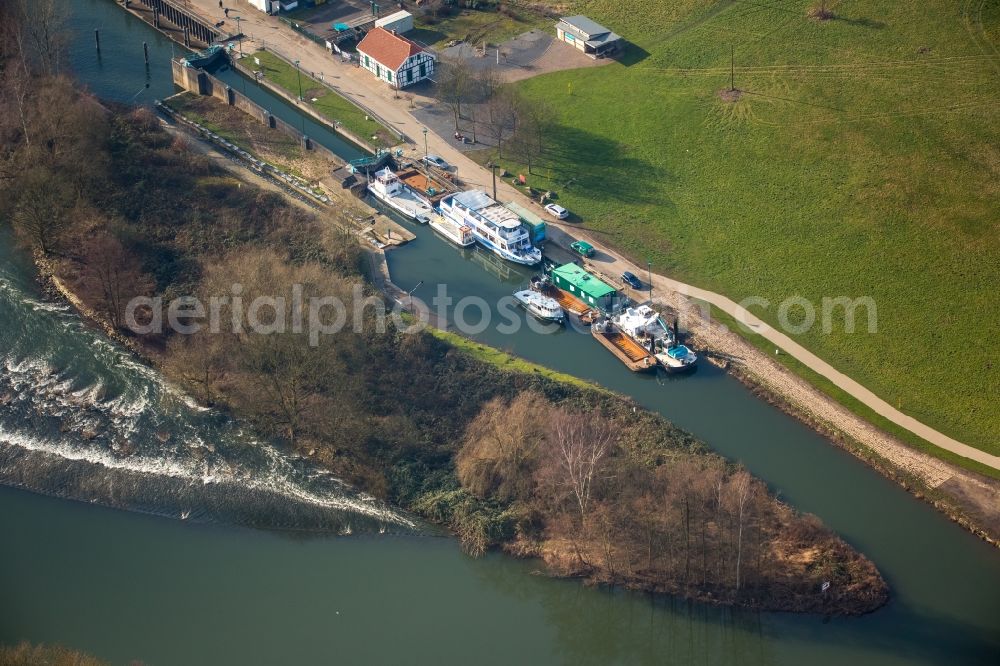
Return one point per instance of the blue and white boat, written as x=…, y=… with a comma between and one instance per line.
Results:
x=494, y=226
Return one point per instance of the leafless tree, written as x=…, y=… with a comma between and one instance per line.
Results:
x=112, y=277
x=502, y=115
x=455, y=85
x=580, y=446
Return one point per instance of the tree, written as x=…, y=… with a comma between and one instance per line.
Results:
x=535, y=122
x=111, y=277
x=579, y=445
x=42, y=211
x=455, y=85
x=502, y=115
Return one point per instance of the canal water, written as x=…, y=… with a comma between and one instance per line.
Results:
x=209, y=590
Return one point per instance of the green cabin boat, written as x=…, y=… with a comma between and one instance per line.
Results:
x=588, y=288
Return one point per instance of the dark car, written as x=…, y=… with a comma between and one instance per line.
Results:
x=631, y=280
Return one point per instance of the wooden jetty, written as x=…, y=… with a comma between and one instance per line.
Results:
x=627, y=350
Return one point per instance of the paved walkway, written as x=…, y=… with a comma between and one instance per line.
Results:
x=359, y=85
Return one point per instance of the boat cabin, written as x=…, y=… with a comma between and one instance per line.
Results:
x=585, y=286
x=534, y=225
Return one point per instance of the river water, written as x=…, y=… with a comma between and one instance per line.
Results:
x=88, y=422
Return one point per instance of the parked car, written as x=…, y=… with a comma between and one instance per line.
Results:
x=435, y=161
x=557, y=211
x=582, y=248
x=631, y=280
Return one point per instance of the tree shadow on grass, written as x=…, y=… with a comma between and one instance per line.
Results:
x=584, y=162
x=426, y=36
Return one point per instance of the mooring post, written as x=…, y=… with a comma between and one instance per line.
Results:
x=97, y=39
x=145, y=53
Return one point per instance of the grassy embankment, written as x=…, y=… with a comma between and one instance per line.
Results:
x=272, y=146
x=859, y=160
x=329, y=104
x=475, y=27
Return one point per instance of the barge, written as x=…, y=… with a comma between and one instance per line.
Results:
x=628, y=351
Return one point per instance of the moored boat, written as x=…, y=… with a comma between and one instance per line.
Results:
x=459, y=234
x=540, y=305
x=677, y=359
x=646, y=327
x=567, y=301
x=204, y=58
x=387, y=188
x=494, y=226
x=635, y=357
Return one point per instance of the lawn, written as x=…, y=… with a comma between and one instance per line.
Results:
x=475, y=27
x=862, y=158
x=329, y=104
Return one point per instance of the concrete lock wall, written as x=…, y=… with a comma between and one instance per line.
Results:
x=201, y=82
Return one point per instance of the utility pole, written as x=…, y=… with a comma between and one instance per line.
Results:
x=425, y=145
x=493, y=168
x=732, y=67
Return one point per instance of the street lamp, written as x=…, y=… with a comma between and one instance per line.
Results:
x=649, y=277
x=240, y=33
x=298, y=74
x=425, y=145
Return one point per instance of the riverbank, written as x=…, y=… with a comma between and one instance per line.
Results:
x=900, y=455
x=362, y=409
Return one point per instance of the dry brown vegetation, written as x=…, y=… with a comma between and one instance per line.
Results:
x=592, y=504
x=582, y=478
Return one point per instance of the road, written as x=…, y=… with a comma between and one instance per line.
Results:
x=357, y=84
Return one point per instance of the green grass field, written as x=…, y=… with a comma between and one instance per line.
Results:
x=475, y=27
x=329, y=104
x=861, y=159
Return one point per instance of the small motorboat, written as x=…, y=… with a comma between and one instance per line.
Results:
x=540, y=305
x=205, y=58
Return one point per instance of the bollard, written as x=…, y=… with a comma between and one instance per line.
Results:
x=97, y=39
x=145, y=53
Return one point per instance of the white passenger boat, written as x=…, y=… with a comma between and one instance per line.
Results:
x=459, y=234
x=387, y=188
x=540, y=305
x=646, y=327
x=494, y=226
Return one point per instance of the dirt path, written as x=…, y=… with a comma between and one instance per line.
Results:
x=357, y=84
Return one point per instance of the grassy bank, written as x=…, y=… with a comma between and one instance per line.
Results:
x=859, y=160
x=504, y=361
x=332, y=106
x=475, y=26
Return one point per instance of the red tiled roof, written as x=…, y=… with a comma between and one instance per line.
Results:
x=387, y=48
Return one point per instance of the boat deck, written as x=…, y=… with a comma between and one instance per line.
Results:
x=419, y=182
x=627, y=350
x=567, y=301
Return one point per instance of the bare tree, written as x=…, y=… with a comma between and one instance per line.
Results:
x=42, y=212
x=534, y=124
x=580, y=446
x=503, y=112
x=112, y=277
x=455, y=85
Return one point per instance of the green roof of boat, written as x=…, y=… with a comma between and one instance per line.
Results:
x=584, y=281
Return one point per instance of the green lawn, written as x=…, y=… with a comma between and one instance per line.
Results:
x=328, y=103
x=862, y=159
x=474, y=26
